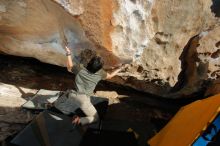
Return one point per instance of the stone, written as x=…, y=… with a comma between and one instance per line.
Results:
x=208, y=52
x=41, y=29
x=2, y=8
x=74, y=7
x=12, y=117
x=107, y=94
x=111, y=95
x=155, y=38
x=12, y=97
x=168, y=68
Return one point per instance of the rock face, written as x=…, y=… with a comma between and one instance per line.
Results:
x=12, y=117
x=40, y=29
x=171, y=47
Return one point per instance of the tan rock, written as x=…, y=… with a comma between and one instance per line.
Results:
x=209, y=51
x=11, y=115
x=13, y=96
x=11, y=99
x=40, y=29
x=175, y=23
x=107, y=94
x=169, y=27
x=111, y=95
x=150, y=35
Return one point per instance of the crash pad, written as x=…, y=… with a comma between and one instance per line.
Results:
x=49, y=129
x=188, y=124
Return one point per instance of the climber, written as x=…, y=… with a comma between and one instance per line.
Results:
x=86, y=80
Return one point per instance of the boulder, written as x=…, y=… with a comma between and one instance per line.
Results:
x=171, y=47
x=41, y=29
x=13, y=118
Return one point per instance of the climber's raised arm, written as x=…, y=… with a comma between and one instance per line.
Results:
x=69, y=63
x=112, y=74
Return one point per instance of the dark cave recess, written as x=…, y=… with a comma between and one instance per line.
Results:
x=216, y=7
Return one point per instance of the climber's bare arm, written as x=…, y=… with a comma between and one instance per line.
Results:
x=69, y=63
x=112, y=74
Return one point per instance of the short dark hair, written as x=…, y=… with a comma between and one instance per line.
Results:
x=86, y=55
x=95, y=64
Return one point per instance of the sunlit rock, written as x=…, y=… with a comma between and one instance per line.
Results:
x=40, y=29
x=171, y=47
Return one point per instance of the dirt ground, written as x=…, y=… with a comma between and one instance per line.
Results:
x=143, y=113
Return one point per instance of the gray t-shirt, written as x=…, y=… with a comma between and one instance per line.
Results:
x=85, y=81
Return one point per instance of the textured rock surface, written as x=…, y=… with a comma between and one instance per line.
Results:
x=12, y=118
x=154, y=37
x=39, y=29
x=111, y=95
x=170, y=63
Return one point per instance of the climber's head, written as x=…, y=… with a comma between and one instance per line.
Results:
x=95, y=64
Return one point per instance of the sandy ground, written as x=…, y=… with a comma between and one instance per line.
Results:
x=21, y=78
